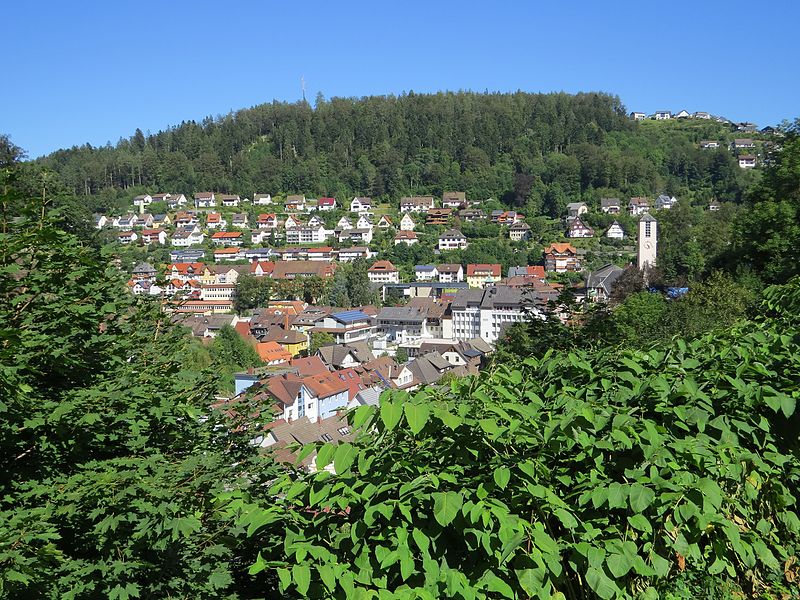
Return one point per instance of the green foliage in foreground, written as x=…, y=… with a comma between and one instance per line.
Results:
x=607, y=474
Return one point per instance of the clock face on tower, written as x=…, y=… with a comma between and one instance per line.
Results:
x=648, y=246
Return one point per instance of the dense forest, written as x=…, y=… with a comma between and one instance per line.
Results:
x=537, y=151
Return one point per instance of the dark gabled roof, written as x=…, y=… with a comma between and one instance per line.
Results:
x=604, y=277
x=401, y=313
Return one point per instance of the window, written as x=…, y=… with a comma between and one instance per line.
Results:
x=647, y=231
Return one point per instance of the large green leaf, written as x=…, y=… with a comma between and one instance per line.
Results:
x=391, y=412
x=344, y=457
x=446, y=506
x=416, y=415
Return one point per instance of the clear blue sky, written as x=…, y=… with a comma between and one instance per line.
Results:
x=90, y=71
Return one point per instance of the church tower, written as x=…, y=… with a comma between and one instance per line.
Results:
x=648, y=239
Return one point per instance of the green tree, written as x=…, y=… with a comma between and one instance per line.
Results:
x=401, y=356
x=252, y=292
x=319, y=339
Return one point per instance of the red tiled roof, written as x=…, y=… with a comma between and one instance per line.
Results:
x=493, y=269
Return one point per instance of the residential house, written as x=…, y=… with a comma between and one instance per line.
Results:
x=426, y=273
x=100, y=221
x=230, y=200
x=303, y=268
x=326, y=204
x=205, y=200
x=161, y=220
x=183, y=238
x=683, y=114
x=144, y=220
x=481, y=275
x=295, y=203
x=127, y=237
x=385, y=371
x=306, y=235
x=561, y=258
x=345, y=356
x=709, y=144
x=600, y=283
x=215, y=220
x=746, y=161
x=452, y=239
x=401, y=324
x=663, y=115
x=267, y=221
x=357, y=236
x=743, y=143
x=124, y=222
x=347, y=326
x=747, y=127
x=615, y=231
x=239, y=220
x=385, y=222
x=185, y=271
x=430, y=368
x=638, y=116
x=506, y=217
x=450, y=273
x=272, y=353
x=454, y=199
x=227, y=254
x=154, y=236
x=344, y=223
x=576, y=209
x=351, y=254
x=262, y=199
x=217, y=291
x=665, y=202
x=714, y=205
x=383, y=271
x=228, y=238
x=142, y=200
x=175, y=201
x=292, y=221
x=470, y=215
x=610, y=206
x=438, y=216
x=409, y=238
x=363, y=222
x=701, y=115
x=144, y=271
x=360, y=204
x=262, y=268
x=322, y=253
x=416, y=204
x=407, y=223
x=519, y=232
x=638, y=206
x=578, y=229
x=186, y=219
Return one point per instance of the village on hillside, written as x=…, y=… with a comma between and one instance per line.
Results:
x=428, y=322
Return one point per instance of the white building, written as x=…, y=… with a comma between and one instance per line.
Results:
x=615, y=231
x=407, y=223
x=360, y=205
x=452, y=239
x=648, y=241
x=487, y=313
x=306, y=235
x=383, y=271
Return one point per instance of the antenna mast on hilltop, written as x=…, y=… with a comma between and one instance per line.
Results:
x=303, y=87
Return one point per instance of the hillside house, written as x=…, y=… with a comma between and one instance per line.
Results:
x=426, y=273
x=578, y=229
x=610, y=206
x=383, y=271
x=295, y=203
x=326, y=204
x=576, y=209
x=205, y=200
x=452, y=239
x=385, y=222
x=416, y=204
x=561, y=258
x=481, y=275
x=262, y=199
x=230, y=200
x=615, y=231
x=746, y=161
x=407, y=223
x=519, y=232
x=227, y=238
x=215, y=220
x=360, y=204
x=409, y=238
x=662, y=115
x=665, y=202
x=154, y=236
x=454, y=199
x=638, y=206
x=450, y=273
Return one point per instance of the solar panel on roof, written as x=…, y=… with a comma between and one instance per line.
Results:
x=349, y=316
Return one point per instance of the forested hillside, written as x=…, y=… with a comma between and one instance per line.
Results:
x=536, y=151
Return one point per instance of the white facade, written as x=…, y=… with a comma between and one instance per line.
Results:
x=407, y=223
x=647, y=243
x=615, y=232
x=306, y=235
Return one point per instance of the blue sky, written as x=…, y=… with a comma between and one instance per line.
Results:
x=93, y=72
